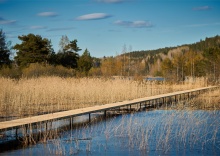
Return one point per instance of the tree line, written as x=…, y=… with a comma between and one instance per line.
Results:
x=35, y=49
x=173, y=63
x=201, y=59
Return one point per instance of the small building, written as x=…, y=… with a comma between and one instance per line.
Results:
x=154, y=79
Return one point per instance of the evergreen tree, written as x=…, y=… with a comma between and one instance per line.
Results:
x=85, y=62
x=72, y=47
x=4, y=50
x=33, y=49
x=67, y=55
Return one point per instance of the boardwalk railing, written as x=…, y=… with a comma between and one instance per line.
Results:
x=141, y=102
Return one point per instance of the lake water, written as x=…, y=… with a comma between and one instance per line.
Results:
x=156, y=132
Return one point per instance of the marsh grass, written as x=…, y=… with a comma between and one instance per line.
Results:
x=34, y=96
x=170, y=131
x=159, y=132
x=207, y=101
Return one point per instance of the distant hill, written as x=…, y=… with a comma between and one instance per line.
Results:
x=173, y=63
x=198, y=46
x=149, y=62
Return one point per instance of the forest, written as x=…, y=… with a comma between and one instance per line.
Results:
x=35, y=57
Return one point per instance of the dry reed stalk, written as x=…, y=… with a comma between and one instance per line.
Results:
x=179, y=129
x=174, y=130
x=207, y=101
x=28, y=97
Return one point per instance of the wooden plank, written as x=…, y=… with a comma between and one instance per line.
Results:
x=88, y=110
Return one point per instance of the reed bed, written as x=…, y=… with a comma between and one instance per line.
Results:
x=207, y=101
x=33, y=96
x=159, y=132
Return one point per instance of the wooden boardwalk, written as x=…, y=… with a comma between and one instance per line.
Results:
x=153, y=100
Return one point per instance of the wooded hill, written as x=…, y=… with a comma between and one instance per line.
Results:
x=174, y=63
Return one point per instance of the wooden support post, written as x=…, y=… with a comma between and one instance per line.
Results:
x=166, y=102
x=105, y=115
x=89, y=117
x=46, y=126
x=16, y=133
x=71, y=122
x=26, y=129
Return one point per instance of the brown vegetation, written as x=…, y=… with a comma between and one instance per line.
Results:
x=207, y=101
x=27, y=97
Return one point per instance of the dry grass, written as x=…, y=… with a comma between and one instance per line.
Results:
x=27, y=97
x=207, y=101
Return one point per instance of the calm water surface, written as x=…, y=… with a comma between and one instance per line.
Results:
x=157, y=132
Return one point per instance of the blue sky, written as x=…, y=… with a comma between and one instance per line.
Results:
x=105, y=26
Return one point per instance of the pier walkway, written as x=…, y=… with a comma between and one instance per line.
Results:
x=140, y=102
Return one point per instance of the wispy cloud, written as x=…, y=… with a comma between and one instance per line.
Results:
x=134, y=24
x=35, y=27
x=202, y=8
x=1, y=1
x=113, y=30
x=202, y=25
x=94, y=16
x=7, y=22
x=48, y=14
x=111, y=1
x=61, y=29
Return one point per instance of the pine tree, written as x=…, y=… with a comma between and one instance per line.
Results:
x=4, y=50
x=33, y=49
x=85, y=62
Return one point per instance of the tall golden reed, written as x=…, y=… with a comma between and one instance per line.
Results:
x=27, y=97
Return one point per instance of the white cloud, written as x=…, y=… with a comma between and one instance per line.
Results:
x=4, y=21
x=202, y=8
x=110, y=1
x=37, y=27
x=48, y=14
x=61, y=29
x=134, y=24
x=94, y=16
